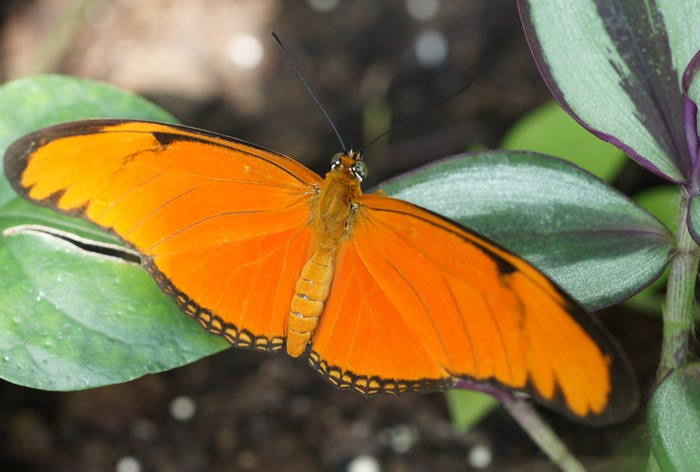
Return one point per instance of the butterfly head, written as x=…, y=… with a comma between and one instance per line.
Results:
x=350, y=163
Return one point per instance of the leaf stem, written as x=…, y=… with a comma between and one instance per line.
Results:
x=525, y=414
x=680, y=297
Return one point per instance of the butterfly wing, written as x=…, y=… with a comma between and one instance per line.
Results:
x=418, y=302
x=222, y=225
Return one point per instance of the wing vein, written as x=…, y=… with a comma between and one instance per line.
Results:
x=408, y=282
x=220, y=215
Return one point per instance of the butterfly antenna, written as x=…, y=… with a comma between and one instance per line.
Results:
x=308, y=89
x=417, y=118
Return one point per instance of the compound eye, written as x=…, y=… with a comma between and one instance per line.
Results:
x=335, y=160
x=360, y=170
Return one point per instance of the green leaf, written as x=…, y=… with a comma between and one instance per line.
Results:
x=694, y=217
x=593, y=241
x=468, y=407
x=71, y=319
x=661, y=201
x=691, y=85
x=550, y=130
x=616, y=67
x=674, y=420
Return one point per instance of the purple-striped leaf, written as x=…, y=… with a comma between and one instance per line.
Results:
x=691, y=94
x=616, y=67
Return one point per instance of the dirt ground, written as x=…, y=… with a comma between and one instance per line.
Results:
x=246, y=411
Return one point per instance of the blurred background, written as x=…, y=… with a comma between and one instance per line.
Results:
x=371, y=64
x=214, y=65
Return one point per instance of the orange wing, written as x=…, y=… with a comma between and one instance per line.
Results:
x=418, y=302
x=222, y=225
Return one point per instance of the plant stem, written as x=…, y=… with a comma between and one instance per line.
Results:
x=680, y=297
x=540, y=432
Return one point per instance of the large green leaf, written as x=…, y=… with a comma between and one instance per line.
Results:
x=73, y=319
x=616, y=67
x=674, y=420
x=593, y=241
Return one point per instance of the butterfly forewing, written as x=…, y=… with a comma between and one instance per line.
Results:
x=221, y=224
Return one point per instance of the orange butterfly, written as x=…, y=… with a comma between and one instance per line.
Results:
x=389, y=297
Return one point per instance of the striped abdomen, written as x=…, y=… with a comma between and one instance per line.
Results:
x=312, y=290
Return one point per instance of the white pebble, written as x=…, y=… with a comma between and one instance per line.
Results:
x=480, y=457
x=431, y=48
x=128, y=464
x=364, y=464
x=183, y=408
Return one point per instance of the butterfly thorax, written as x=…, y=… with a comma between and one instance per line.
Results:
x=332, y=218
x=332, y=221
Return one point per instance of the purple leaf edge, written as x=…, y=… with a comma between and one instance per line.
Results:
x=550, y=82
x=691, y=115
